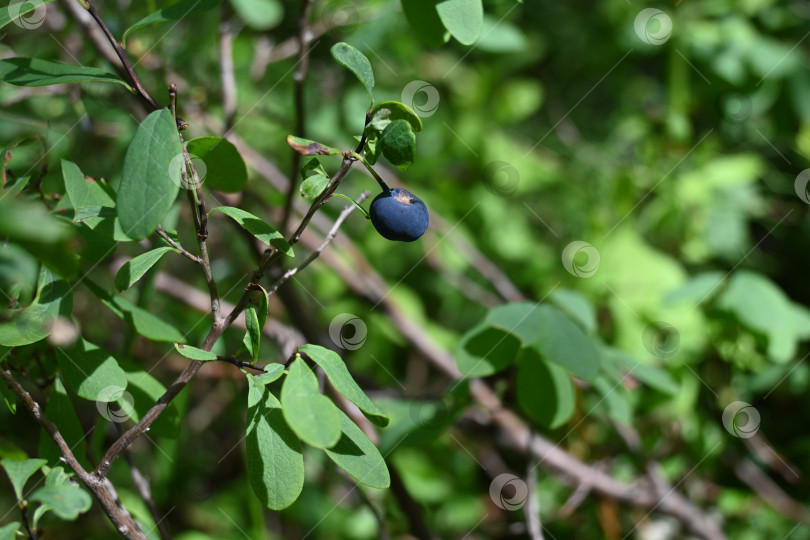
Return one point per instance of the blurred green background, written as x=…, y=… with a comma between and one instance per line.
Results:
x=670, y=143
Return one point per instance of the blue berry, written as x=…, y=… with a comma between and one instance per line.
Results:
x=399, y=215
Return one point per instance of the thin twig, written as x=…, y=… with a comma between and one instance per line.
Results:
x=177, y=246
x=241, y=364
x=300, y=77
x=532, y=507
x=115, y=511
x=122, y=55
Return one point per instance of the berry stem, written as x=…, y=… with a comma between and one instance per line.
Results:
x=376, y=176
x=353, y=202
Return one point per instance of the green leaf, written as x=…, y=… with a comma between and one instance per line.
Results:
x=172, y=12
x=90, y=371
x=577, y=307
x=259, y=14
x=62, y=412
x=93, y=213
x=462, y=18
x=311, y=415
x=357, y=63
x=308, y=147
x=521, y=319
x=485, y=350
x=151, y=176
x=275, y=464
x=272, y=372
x=15, y=11
x=19, y=471
x=313, y=186
x=386, y=112
x=145, y=323
x=38, y=72
x=425, y=22
x=194, y=353
x=258, y=228
x=357, y=455
x=310, y=166
x=134, y=269
x=44, y=235
x=67, y=502
x=224, y=168
x=35, y=322
x=255, y=317
x=560, y=340
x=342, y=380
x=398, y=143
x=9, y=530
x=84, y=192
x=544, y=390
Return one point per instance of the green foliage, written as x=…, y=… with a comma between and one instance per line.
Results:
x=195, y=353
x=224, y=168
x=135, y=268
x=263, y=232
x=357, y=63
x=91, y=372
x=312, y=416
x=39, y=72
x=12, y=11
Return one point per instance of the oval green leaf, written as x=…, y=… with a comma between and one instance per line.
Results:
x=194, y=353
x=224, y=168
x=310, y=414
x=398, y=143
x=544, y=390
x=91, y=372
x=21, y=71
x=66, y=501
x=357, y=63
x=485, y=350
x=341, y=379
x=357, y=455
x=258, y=228
x=462, y=18
x=275, y=463
x=149, y=182
x=135, y=268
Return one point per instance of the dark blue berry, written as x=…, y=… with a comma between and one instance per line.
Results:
x=399, y=215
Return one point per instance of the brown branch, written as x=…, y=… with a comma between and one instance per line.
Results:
x=122, y=55
x=177, y=246
x=122, y=520
x=300, y=77
x=770, y=492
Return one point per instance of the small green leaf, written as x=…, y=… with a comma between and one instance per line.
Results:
x=309, y=147
x=341, y=379
x=67, y=502
x=194, y=353
x=258, y=228
x=19, y=471
x=135, y=268
x=145, y=323
x=424, y=20
x=311, y=415
x=357, y=63
x=310, y=166
x=275, y=464
x=255, y=317
x=386, y=112
x=313, y=186
x=9, y=530
x=398, y=143
x=90, y=371
x=578, y=307
x=560, y=340
x=224, y=168
x=462, y=18
x=35, y=322
x=17, y=10
x=151, y=176
x=357, y=455
x=38, y=72
x=172, y=12
x=544, y=390
x=272, y=372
